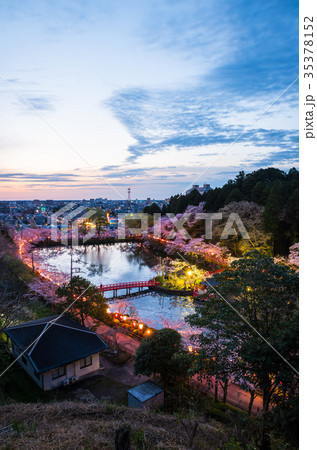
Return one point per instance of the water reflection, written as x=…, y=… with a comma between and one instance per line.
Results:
x=117, y=263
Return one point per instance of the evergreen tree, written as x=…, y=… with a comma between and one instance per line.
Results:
x=272, y=214
x=152, y=209
x=159, y=354
x=234, y=196
x=257, y=322
x=82, y=299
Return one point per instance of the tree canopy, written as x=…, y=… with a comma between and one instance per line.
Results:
x=160, y=354
x=254, y=324
x=90, y=302
x=271, y=188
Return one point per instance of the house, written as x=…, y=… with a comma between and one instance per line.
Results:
x=58, y=350
x=145, y=396
x=205, y=188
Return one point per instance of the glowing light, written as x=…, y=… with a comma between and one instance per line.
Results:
x=148, y=331
x=125, y=317
x=190, y=272
x=249, y=288
x=108, y=310
x=141, y=326
x=134, y=324
x=190, y=348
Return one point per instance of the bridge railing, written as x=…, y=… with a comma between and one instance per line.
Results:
x=131, y=284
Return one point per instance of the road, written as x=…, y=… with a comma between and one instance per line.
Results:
x=235, y=395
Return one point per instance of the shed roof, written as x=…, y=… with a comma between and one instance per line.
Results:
x=55, y=341
x=145, y=391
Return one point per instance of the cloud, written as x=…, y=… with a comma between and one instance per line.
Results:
x=253, y=71
x=36, y=103
x=55, y=177
x=287, y=157
x=163, y=120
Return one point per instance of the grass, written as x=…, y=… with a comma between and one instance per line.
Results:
x=186, y=397
x=109, y=389
x=38, y=310
x=94, y=426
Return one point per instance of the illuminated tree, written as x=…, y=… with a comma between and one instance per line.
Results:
x=82, y=299
x=265, y=295
x=101, y=221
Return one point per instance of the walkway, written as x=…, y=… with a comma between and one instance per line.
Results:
x=235, y=396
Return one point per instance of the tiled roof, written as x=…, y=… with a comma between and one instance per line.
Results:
x=55, y=341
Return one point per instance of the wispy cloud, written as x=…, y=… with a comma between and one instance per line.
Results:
x=178, y=83
x=56, y=177
x=36, y=103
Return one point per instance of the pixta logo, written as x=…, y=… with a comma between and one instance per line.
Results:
x=66, y=221
x=138, y=224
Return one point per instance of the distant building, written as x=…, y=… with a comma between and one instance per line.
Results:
x=64, y=352
x=201, y=190
x=145, y=396
x=4, y=208
x=40, y=219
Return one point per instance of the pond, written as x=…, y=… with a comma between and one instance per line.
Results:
x=118, y=263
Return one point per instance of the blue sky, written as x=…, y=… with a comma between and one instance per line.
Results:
x=101, y=95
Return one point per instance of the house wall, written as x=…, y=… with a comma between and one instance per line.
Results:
x=72, y=370
x=157, y=400
x=45, y=380
x=26, y=364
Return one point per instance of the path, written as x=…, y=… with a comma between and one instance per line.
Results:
x=235, y=396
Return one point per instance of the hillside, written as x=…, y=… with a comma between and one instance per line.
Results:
x=93, y=425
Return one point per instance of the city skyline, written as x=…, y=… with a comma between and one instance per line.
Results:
x=100, y=97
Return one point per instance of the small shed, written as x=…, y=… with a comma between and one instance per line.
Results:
x=146, y=395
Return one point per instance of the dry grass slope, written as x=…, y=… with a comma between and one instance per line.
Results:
x=71, y=425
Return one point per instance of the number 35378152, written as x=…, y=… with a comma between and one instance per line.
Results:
x=308, y=47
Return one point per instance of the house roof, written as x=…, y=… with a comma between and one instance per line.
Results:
x=210, y=282
x=145, y=391
x=55, y=341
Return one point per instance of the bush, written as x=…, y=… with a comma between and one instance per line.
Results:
x=216, y=414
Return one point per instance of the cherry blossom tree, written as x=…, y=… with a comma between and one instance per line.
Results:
x=294, y=255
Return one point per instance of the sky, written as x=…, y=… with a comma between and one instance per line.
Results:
x=101, y=95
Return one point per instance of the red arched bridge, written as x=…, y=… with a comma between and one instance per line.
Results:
x=127, y=286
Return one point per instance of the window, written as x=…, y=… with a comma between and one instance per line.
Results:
x=59, y=372
x=85, y=362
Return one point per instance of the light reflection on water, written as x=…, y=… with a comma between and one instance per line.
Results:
x=114, y=264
